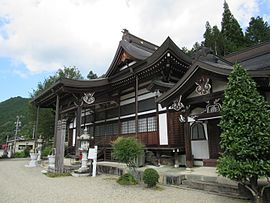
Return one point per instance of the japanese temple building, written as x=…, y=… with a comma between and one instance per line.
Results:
x=158, y=94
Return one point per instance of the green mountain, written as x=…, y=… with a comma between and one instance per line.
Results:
x=9, y=109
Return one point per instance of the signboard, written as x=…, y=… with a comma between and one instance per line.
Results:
x=92, y=153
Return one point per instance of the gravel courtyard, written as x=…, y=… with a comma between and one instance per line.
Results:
x=21, y=184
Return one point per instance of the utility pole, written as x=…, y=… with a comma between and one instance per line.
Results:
x=18, y=124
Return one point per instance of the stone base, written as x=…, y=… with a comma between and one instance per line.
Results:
x=80, y=174
x=44, y=171
x=32, y=164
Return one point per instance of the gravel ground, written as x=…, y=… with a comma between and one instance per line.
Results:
x=21, y=184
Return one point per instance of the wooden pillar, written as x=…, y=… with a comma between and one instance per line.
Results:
x=136, y=106
x=78, y=128
x=189, y=157
x=119, y=114
x=36, y=127
x=56, y=120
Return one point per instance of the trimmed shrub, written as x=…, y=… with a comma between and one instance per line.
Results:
x=46, y=151
x=150, y=177
x=19, y=154
x=126, y=150
x=127, y=179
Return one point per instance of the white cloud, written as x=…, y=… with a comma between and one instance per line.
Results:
x=47, y=34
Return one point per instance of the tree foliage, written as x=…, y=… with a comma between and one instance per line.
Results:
x=91, y=75
x=66, y=72
x=213, y=39
x=257, y=31
x=126, y=150
x=231, y=31
x=9, y=109
x=46, y=116
x=245, y=138
x=231, y=37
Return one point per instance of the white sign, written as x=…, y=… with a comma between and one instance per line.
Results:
x=92, y=153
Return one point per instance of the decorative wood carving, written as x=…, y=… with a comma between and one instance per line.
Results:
x=203, y=86
x=215, y=107
x=89, y=98
x=177, y=104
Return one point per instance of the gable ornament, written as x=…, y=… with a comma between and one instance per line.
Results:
x=89, y=98
x=203, y=86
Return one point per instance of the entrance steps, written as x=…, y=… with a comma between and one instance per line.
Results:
x=181, y=178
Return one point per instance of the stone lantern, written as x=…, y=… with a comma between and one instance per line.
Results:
x=84, y=146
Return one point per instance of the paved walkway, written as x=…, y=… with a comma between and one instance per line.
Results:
x=21, y=184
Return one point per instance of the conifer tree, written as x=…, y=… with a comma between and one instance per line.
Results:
x=245, y=137
x=257, y=31
x=231, y=31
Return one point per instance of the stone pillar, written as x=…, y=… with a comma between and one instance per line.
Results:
x=60, y=146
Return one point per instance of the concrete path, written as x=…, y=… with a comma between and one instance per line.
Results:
x=21, y=184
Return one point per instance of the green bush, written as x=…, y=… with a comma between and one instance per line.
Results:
x=26, y=152
x=46, y=151
x=150, y=177
x=127, y=179
x=19, y=154
x=126, y=150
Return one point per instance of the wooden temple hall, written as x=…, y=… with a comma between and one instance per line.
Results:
x=157, y=94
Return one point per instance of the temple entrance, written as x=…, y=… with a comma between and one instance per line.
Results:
x=214, y=138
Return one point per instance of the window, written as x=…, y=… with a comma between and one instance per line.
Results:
x=147, y=124
x=124, y=127
x=152, y=124
x=197, y=132
x=142, y=125
x=106, y=129
x=128, y=127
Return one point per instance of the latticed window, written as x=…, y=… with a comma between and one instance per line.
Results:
x=152, y=124
x=143, y=125
x=109, y=129
x=131, y=126
x=124, y=127
x=197, y=132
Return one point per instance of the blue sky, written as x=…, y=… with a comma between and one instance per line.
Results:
x=37, y=37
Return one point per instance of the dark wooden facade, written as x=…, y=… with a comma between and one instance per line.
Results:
x=201, y=91
x=156, y=94
x=124, y=101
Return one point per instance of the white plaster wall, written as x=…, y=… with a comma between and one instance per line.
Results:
x=218, y=85
x=163, y=130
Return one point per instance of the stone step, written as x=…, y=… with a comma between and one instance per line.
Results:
x=221, y=189
x=185, y=181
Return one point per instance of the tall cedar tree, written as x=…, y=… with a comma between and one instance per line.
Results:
x=213, y=39
x=46, y=116
x=91, y=75
x=245, y=137
x=231, y=31
x=257, y=31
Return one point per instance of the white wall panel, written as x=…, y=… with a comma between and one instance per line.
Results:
x=163, y=130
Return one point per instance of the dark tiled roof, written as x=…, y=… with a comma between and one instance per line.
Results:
x=258, y=63
x=256, y=57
